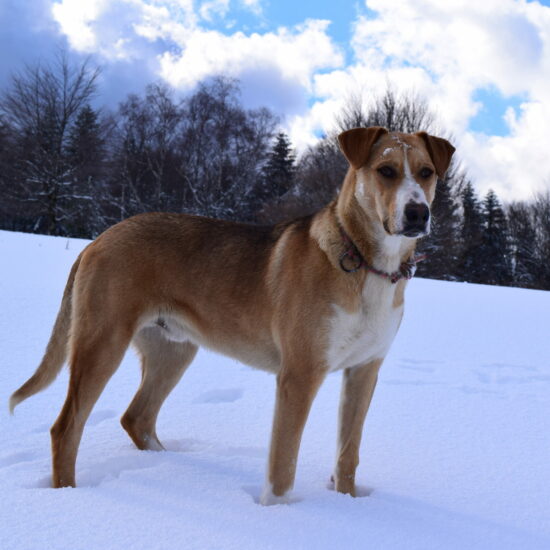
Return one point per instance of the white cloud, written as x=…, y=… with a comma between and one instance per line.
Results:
x=281, y=63
x=255, y=6
x=124, y=29
x=295, y=55
x=445, y=51
x=212, y=8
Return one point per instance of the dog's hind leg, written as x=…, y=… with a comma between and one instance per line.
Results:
x=163, y=363
x=95, y=356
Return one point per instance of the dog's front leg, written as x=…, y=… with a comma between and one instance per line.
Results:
x=357, y=388
x=297, y=385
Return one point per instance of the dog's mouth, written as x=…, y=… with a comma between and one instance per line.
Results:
x=410, y=231
x=414, y=232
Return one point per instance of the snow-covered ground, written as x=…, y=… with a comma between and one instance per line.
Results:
x=456, y=451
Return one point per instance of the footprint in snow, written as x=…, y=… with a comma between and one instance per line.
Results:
x=420, y=362
x=417, y=368
x=504, y=374
x=220, y=396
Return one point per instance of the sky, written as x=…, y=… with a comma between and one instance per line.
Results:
x=483, y=67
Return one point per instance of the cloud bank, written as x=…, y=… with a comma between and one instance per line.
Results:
x=457, y=54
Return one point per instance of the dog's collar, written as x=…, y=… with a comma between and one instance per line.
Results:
x=406, y=269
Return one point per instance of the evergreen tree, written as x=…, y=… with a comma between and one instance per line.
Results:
x=441, y=245
x=471, y=261
x=85, y=154
x=279, y=170
x=495, y=246
x=85, y=139
x=523, y=244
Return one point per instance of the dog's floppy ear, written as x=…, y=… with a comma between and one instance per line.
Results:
x=440, y=151
x=357, y=143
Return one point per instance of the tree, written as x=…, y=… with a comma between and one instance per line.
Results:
x=278, y=172
x=523, y=237
x=471, y=258
x=223, y=148
x=441, y=245
x=495, y=243
x=541, y=217
x=144, y=156
x=12, y=216
x=86, y=156
x=40, y=106
x=404, y=112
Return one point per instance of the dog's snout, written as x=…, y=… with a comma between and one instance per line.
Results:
x=417, y=214
x=416, y=218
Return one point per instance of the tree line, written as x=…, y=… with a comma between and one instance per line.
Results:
x=68, y=167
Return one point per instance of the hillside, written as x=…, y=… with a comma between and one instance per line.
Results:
x=456, y=451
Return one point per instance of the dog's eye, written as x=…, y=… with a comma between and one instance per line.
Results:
x=387, y=172
x=426, y=172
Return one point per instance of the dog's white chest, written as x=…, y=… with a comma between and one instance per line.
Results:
x=362, y=336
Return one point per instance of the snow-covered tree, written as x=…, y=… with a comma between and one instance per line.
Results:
x=442, y=245
x=222, y=149
x=471, y=232
x=86, y=156
x=523, y=238
x=495, y=244
x=41, y=105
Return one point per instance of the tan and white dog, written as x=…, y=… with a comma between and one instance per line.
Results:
x=301, y=299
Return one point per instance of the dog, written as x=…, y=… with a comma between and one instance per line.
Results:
x=300, y=299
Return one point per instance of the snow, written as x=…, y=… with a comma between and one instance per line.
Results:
x=456, y=448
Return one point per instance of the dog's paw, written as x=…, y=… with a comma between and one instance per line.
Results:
x=267, y=497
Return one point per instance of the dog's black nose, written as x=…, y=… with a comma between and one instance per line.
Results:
x=417, y=214
x=416, y=219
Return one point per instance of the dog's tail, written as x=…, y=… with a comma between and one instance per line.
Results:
x=56, y=352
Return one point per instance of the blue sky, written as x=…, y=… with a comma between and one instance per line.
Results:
x=483, y=67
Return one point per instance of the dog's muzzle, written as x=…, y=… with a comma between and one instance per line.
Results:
x=416, y=219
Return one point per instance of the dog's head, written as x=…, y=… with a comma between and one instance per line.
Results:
x=395, y=176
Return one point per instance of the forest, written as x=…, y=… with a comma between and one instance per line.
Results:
x=71, y=167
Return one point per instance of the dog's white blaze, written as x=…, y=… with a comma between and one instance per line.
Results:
x=366, y=334
x=409, y=191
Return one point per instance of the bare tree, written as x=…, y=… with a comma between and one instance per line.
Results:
x=144, y=150
x=406, y=112
x=321, y=169
x=223, y=148
x=523, y=236
x=541, y=222
x=40, y=107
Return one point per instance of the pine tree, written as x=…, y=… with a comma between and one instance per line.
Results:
x=441, y=245
x=523, y=244
x=280, y=167
x=85, y=141
x=495, y=243
x=85, y=155
x=471, y=261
